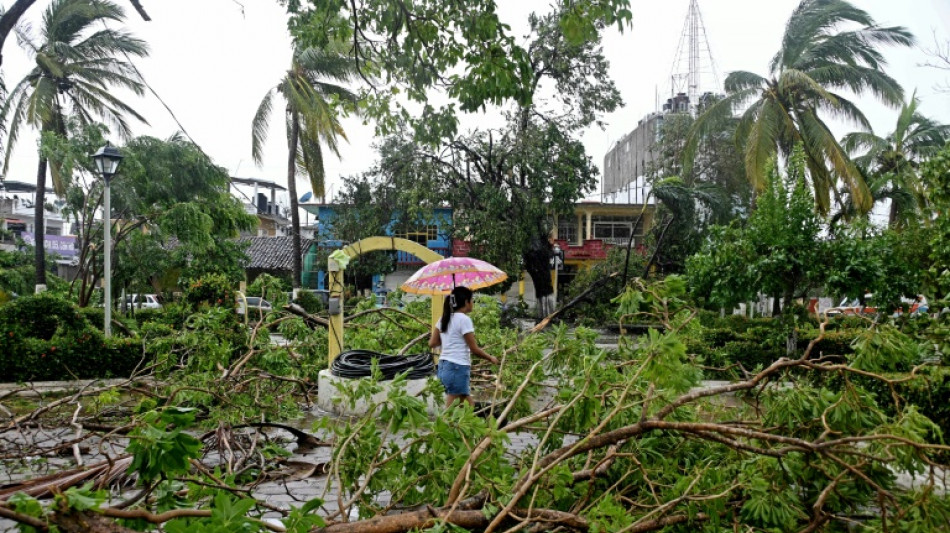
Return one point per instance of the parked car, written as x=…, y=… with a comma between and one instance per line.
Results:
x=852, y=307
x=255, y=304
x=143, y=301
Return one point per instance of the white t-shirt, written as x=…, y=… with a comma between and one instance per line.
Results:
x=454, y=348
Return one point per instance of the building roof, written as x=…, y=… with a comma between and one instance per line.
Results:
x=20, y=186
x=273, y=253
x=262, y=183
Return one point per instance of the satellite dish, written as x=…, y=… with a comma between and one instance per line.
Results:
x=306, y=198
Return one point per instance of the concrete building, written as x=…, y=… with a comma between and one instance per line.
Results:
x=268, y=201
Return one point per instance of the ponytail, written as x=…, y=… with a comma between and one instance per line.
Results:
x=453, y=302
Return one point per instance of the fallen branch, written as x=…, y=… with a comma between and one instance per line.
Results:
x=310, y=320
x=580, y=298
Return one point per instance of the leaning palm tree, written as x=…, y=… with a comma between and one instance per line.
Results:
x=816, y=61
x=76, y=67
x=312, y=120
x=893, y=160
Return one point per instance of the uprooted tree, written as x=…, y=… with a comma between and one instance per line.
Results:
x=625, y=440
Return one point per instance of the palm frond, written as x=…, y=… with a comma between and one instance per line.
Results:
x=705, y=123
x=821, y=145
x=859, y=80
x=323, y=64
x=741, y=80
x=761, y=143
x=862, y=141
x=259, y=127
x=312, y=156
x=845, y=110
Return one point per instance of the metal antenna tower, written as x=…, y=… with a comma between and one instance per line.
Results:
x=694, y=69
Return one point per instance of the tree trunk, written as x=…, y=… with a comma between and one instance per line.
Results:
x=537, y=263
x=39, y=223
x=9, y=20
x=776, y=304
x=292, y=141
x=656, y=250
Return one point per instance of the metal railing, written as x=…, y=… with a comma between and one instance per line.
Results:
x=407, y=259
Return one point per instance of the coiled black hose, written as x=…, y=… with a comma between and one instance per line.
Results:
x=358, y=363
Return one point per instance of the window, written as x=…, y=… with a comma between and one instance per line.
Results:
x=609, y=231
x=421, y=235
x=616, y=229
x=567, y=230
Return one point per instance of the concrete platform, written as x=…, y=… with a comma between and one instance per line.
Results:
x=328, y=395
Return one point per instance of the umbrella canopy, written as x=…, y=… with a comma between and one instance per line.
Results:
x=440, y=277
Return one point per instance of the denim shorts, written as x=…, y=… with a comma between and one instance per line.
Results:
x=455, y=378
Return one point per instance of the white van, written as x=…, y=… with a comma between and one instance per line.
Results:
x=143, y=301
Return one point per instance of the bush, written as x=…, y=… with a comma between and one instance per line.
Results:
x=79, y=354
x=755, y=342
x=269, y=287
x=309, y=301
x=833, y=343
x=143, y=316
x=41, y=316
x=212, y=290
x=94, y=316
x=46, y=338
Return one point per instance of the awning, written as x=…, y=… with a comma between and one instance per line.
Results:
x=15, y=220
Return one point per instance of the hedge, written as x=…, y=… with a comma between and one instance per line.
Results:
x=727, y=341
x=46, y=338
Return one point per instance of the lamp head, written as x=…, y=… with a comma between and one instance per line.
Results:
x=107, y=160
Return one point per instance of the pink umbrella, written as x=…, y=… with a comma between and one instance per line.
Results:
x=440, y=277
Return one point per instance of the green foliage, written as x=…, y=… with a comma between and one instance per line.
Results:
x=826, y=47
x=16, y=274
x=310, y=302
x=597, y=309
x=228, y=514
x=46, y=338
x=79, y=354
x=214, y=290
x=936, y=173
x=887, y=264
x=160, y=445
x=41, y=316
x=778, y=253
x=422, y=47
x=268, y=287
x=892, y=164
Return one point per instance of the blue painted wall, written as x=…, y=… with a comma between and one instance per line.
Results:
x=442, y=244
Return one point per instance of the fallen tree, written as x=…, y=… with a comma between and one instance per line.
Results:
x=626, y=440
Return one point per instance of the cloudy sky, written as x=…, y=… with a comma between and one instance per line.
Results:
x=213, y=60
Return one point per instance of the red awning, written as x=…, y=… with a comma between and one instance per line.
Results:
x=15, y=220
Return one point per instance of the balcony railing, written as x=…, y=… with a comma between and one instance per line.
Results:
x=406, y=259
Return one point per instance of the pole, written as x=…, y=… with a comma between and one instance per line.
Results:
x=107, y=237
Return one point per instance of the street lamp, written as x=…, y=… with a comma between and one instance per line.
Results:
x=107, y=162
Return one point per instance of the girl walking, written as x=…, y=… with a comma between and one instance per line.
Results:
x=455, y=333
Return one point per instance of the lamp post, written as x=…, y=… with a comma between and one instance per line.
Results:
x=107, y=162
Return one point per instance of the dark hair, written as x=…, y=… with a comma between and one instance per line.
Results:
x=453, y=302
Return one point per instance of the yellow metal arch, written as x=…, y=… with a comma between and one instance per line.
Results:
x=373, y=244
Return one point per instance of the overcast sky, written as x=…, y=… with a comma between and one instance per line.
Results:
x=213, y=60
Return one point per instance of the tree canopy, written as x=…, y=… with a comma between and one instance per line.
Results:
x=819, y=59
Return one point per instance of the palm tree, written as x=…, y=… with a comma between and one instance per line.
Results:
x=817, y=59
x=892, y=161
x=76, y=67
x=312, y=119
